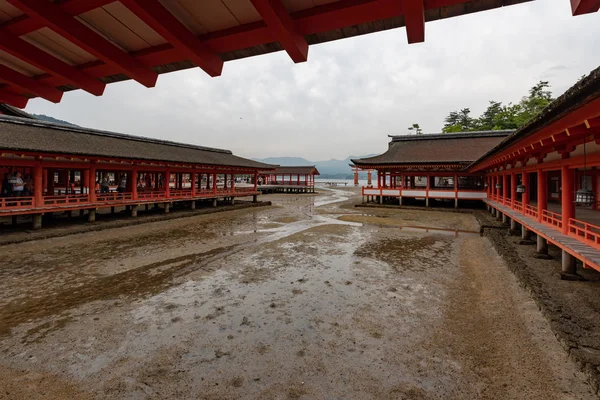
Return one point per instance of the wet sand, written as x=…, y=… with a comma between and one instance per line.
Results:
x=307, y=299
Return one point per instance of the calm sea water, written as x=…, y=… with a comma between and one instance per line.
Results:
x=349, y=182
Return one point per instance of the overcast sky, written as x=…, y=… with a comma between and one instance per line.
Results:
x=351, y=93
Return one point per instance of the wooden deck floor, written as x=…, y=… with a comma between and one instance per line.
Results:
x=577, y=248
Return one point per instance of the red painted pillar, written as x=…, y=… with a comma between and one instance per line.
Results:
x=525, y=196
x=214, y=178
x=369, y=178
x=567, y=204
x=504, y=188
x=542, y=192
x=85, y=183
x=513, y=189
x=133, y=183
x=233, y=182
x=92, y=195
x=193, y=179
x=167, y=183
x=255, y=181
x=38, y=197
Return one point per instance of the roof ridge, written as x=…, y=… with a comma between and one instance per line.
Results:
x=98, y=132
x=452, y=135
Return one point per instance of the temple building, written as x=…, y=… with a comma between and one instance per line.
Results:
x=430, y=168
x=292, y=179
x=541, y=178
x=65, y=168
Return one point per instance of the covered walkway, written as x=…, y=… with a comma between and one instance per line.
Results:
x=52, y=168
x=582, y=240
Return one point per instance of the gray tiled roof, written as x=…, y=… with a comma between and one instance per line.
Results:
x=23, y=134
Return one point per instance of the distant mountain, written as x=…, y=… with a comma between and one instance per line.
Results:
x=52, y=119
x=329, y=169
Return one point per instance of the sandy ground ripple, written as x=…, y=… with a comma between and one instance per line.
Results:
x=308, y=299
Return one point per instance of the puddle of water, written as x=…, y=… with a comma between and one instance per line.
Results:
x=338, y=196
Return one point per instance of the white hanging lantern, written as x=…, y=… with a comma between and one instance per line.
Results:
x=498, y=186
x=520, y=188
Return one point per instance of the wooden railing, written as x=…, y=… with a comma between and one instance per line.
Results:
x=518, y=206
x=180, y=193
x=531, y=211
x=115, y=196
x=155, y=194
x=552, y=219
x=586, y=232
x=244, y=189
x=65, y=200
x=15, y=202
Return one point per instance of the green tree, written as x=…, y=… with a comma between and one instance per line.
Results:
x=499, y=116
x=459, y=121
x=416, y=128
x=486, y=122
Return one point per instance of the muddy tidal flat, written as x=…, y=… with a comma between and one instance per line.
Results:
x=310, y=298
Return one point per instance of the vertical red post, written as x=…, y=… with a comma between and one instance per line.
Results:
x=233, y=182
x=133, y=182
x=38, y=186
x=513, y=189
x=167, y=183
x=193, y=179
x=85, y=182
x=214, y=182
x=92, y=195
x=567, y=204
x=504, y=188
x=542, y=193
x=255, y=181
x=525, y=195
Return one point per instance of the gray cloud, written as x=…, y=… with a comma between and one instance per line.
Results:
x=351, y=93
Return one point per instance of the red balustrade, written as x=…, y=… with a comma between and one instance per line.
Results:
x=15, y=202
x=518, y=206
x=116, y=197
x=552, y=219
x=65, y=200
x=180, y=193
x=586, y=232
x=531, y=211
x=155, y=194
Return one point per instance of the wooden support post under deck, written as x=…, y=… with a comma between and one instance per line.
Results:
x=36, y=221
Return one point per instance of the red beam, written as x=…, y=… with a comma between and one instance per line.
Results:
x=279, y=21
x=24, y=24
x=584, y=6
x=414, y=19
x=15, y=78
x=39, y=58
x=13, y=99
x=168, y=26
x=75, y=31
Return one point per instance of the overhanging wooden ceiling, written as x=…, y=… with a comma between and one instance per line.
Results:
x=50, y=47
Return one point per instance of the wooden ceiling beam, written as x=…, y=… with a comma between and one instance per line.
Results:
x=579, y=7
x=26, y=23
x=44, y=61
x=13, y=99
x=275, y=15
x=15, y=78
x=155, y=15
x=414, y=19
x=75, y=31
